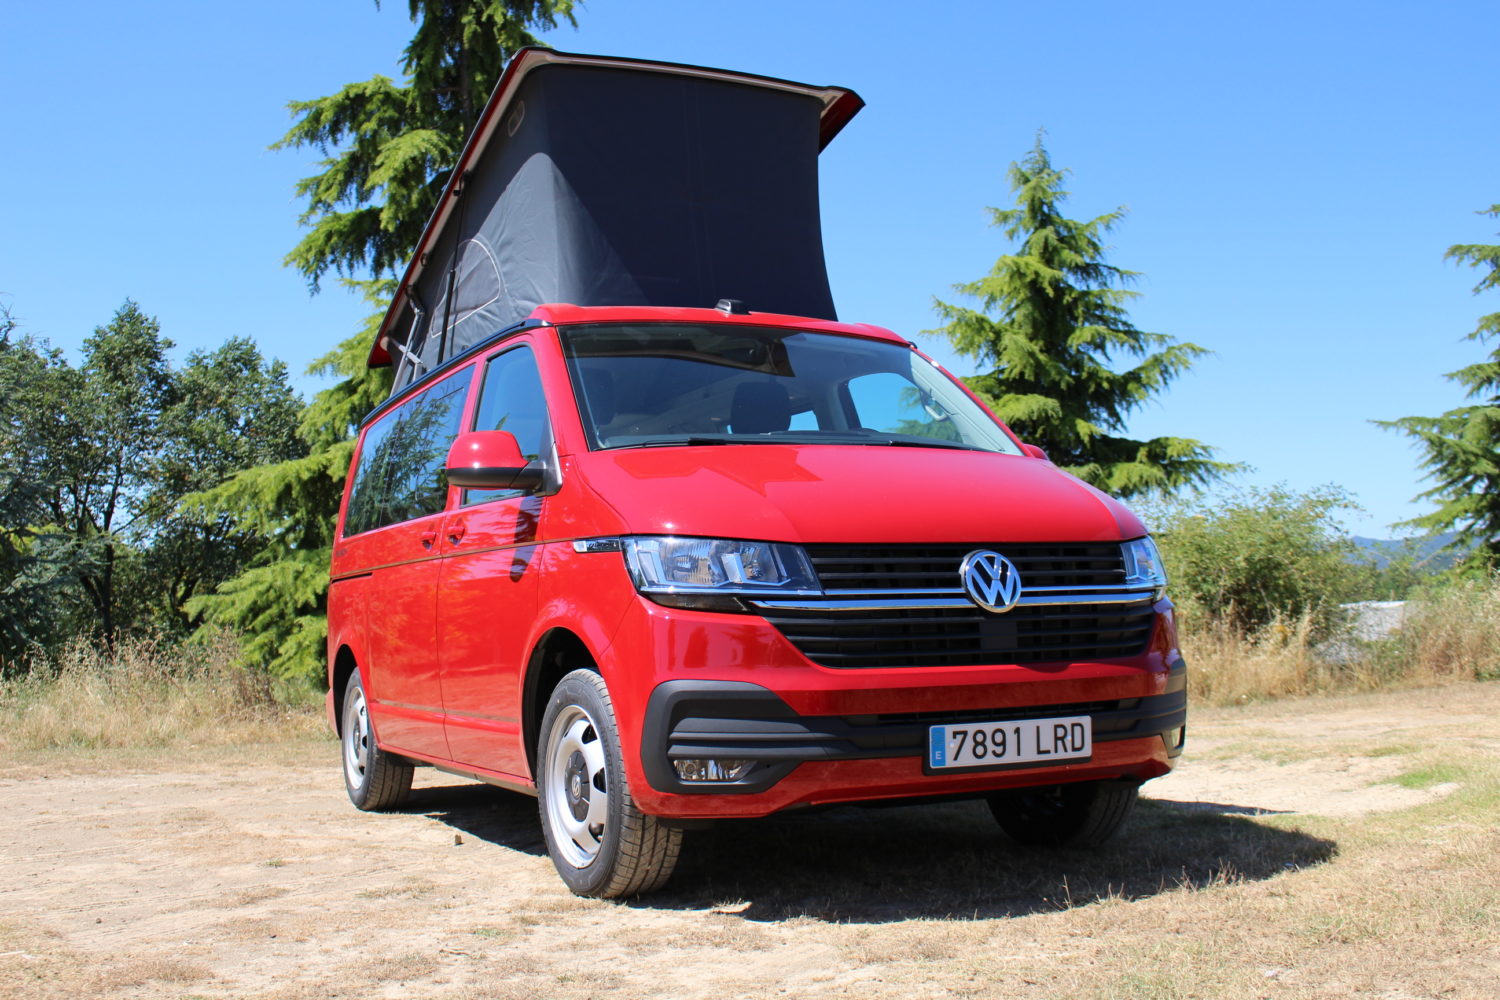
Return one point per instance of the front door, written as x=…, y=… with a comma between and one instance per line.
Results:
x=490, y=580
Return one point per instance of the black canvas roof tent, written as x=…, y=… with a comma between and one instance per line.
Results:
x=596, y=180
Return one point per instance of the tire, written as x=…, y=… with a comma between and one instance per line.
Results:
x=1085, y=814
x=600, y=843
x=376, y=780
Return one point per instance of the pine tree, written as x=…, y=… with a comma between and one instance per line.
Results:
x=1462, y=447
x=389, y=150
x=392, y=146
x=1052, y=325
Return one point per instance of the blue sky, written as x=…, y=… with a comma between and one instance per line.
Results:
x=1293, y=174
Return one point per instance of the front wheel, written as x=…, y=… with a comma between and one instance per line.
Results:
x=1084, y=814
x=600, y=843
x=375, y=780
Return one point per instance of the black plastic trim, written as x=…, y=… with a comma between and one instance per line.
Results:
x=737, y=720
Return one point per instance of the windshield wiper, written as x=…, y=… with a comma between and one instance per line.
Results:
x=928, y=443
x=694, y=441
x=688, y=441
x=796, y=438
x=873, y=437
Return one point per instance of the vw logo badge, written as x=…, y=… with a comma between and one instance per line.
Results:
x=991, y=580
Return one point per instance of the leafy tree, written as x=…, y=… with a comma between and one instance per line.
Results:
x=36, y=588
x=114, y=416
x=22, y=366
x=83, y=442
x=1052, y=326
x=1462, y=447
x=233, y=410
x=389, y=149
x=95, y=460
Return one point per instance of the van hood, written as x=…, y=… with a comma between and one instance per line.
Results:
x=856, y=493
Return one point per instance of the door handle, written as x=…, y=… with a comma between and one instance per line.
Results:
x=455, y=533
x=428, y=537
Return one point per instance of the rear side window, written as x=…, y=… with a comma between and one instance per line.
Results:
x=401, y=472
x=511, y=399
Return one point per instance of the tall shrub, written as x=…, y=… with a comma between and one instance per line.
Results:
x=1250, y=557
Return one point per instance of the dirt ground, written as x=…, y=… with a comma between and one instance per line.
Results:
x=248, y=874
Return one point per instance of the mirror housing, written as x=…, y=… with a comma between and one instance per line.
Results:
x=1035, y=452
x=491, y=460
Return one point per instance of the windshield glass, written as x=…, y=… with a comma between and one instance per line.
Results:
x=673, y=384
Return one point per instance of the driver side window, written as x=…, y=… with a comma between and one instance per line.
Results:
x=511, y=399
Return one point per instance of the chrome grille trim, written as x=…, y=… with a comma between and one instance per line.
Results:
x=904, y=606
x=1133, y=596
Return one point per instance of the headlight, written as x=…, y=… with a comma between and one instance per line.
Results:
x=711, y=573
x=1143, y=566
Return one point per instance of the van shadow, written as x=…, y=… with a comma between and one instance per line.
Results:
x=853, y=865
x=503, y=818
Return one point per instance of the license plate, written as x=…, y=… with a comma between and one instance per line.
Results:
x=991, y=744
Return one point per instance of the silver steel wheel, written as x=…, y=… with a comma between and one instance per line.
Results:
x=356, y=738
x=375, y=779
x=601, y=844
x=576, y=787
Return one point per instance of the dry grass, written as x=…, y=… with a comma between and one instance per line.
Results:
x=1227, y=668
x=1454, y=635
x=147, y=694
x=1208, y=899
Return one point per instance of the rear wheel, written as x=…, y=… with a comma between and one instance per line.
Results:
x=600, y=843
x=375, y=780
x=1084, y=814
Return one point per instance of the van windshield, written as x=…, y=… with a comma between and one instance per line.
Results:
x=644, y=385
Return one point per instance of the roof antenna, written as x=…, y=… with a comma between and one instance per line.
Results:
x=732, y=307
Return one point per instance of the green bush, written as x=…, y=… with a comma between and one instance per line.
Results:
x=1247, y=558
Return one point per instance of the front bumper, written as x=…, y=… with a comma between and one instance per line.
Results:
x=736, y=720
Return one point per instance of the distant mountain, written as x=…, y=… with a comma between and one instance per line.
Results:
x=1427, y=551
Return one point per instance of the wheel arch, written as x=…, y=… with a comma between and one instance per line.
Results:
x=344, y=666
x=557, y=652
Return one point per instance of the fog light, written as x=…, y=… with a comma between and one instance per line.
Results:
x=1176, y=738
x=712, y=769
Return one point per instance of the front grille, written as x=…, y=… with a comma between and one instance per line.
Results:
x=908, y=568
x=962, y=635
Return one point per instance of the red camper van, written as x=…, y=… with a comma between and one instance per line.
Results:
x=658, y=564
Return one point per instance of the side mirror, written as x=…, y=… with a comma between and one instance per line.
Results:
x=491, y=460
x=1035, y=452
